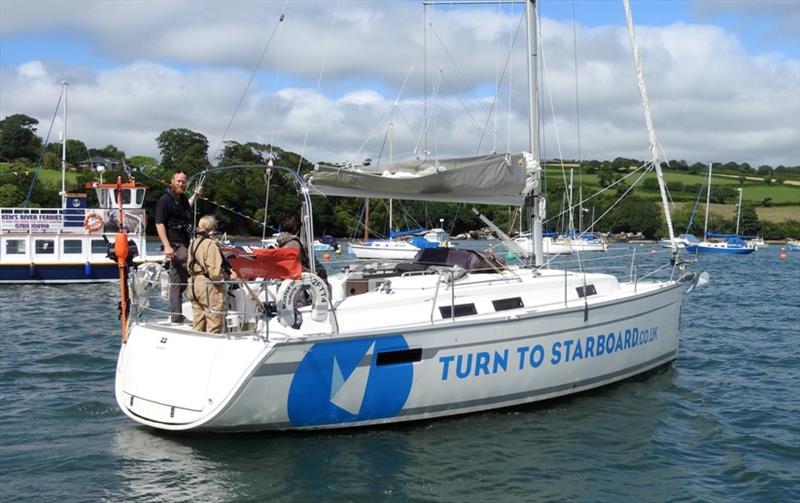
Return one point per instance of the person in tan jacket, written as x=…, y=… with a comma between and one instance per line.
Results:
x=206, y=268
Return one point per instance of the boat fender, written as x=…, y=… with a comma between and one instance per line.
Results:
x=32, y=269
x=290, y=289
x=87, y=269
x=93, y=221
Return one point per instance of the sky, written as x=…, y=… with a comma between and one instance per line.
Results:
x=348, y=80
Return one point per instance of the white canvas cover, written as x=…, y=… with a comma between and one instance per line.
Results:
x=489, y=179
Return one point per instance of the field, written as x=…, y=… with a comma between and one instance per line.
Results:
x=754, y=189
x=49, y=177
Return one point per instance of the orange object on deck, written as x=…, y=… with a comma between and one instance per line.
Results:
x=270, y=263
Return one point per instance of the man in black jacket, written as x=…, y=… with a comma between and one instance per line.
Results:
x=174, y=225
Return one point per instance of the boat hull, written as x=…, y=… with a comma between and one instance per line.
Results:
x=58, y=273
x=376, y=377
x=720, y=250
x=384, y=251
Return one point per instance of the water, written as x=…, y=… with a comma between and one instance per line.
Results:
x=720, y=424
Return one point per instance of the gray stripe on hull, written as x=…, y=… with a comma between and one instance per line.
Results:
x=479, y=405
x=283, y=368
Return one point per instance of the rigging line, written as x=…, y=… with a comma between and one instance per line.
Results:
x=506, y=71
x=319, y=85
x=577, y=101
x=424, y=134
x=252, y=77
x=369, y=136
x=395, y=107
x=275, y=100
x=44, y=148
x=630, y=188
x=429, y=108
x=616, y=182
x=567, y=187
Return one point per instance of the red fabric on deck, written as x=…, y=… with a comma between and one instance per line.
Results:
x=271, y=263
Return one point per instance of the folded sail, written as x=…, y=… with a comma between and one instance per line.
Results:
x=490, y=179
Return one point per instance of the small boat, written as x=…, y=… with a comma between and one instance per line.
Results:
x=551, y=245
x=793, y=244
x=384, y=249
x=730, y=244
x=681, y=241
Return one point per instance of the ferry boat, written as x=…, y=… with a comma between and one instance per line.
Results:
x=71, y=244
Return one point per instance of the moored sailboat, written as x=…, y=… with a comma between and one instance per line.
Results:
x=454, y=332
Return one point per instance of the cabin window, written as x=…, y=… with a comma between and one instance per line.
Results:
x=586, y=291
x=15, y=247
x=139, y=197
x=99, y=246
x=44, y=246
x=73, y=246
x=126, y=196
x=459, y=310
x=505, y=304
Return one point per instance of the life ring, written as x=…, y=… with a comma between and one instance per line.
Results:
x=93, y=221
x=290, y=289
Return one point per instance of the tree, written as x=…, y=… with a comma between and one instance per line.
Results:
x=110, y=152
x=634, y=214
x=76, y=152
x=748, y=220
x=10, y=195
x=183, y=149
x=18, y=138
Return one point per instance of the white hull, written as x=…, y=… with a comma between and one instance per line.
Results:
x=550, y=246
x=586, y=245
x=391, y=362
x=384, y=250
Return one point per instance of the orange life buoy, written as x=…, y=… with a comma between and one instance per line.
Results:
x=93, y=221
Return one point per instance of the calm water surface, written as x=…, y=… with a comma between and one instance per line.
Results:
x=720, y=424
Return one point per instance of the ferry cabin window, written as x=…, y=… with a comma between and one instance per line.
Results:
x=99, y=247
x=73, y=246
x=44, y=247
x=15, y=247
x=126, y=196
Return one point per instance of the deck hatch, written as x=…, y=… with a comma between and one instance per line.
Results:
x=457, y=310
x=585, y=291
x=400, y=356
x=506, y=304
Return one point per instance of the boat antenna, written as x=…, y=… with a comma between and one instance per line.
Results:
x=651, y=132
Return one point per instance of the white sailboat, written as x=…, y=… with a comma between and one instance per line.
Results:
x=460, y=333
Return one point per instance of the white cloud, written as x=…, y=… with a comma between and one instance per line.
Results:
x=178, y=65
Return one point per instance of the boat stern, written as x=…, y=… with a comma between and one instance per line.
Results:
x=175, y=379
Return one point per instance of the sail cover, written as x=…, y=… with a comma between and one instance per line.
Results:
x=491, y=179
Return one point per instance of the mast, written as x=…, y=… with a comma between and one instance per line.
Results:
x=533, y=139
x=738, y=210
x=708, y=200
x=63, y=193
x=651, y=132
x=391, y=158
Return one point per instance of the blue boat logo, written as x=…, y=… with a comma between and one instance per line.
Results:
x=341, y=382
